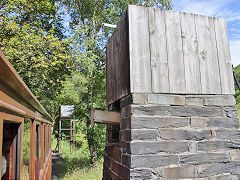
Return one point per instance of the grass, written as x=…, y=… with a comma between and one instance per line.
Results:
x=77, y=164
x=93, y=172
x=237, y=96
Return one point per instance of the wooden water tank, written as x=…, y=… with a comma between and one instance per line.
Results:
x=162, y=51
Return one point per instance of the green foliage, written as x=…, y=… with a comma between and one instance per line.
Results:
x=38, y=14
x=86, y=88
x=237, y=94
x=238, y=102
x=76, y=92
x=31, y=38
x=237, y=72
x=26, y=142
x=77, y=163
x=62, y=71
x=92, y=171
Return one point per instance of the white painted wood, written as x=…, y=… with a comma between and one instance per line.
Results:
x=207, y=54
x=190, y=53
x=175, y=54
x=104, y=117
x=225, y=64
x=158, y=48
x=140, y=70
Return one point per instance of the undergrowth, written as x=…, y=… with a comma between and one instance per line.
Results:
x=76, y=163
x=237, y=96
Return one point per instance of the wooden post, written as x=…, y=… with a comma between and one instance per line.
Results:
x=21, y=133
x=1, y=138
x=32, y=149
x=60, y=135
x=42, y=145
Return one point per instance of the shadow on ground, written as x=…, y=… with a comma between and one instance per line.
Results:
x=60, y=166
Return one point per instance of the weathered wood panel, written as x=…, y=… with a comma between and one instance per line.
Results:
x=158, y=49
x=124, y=75
x=118, y=78
x=104, y=117
x=190, y=53
x=109, y=78
x=223, y=50
x=175, y=55
x=140, y=70
x=161, y=51
x=207, y=53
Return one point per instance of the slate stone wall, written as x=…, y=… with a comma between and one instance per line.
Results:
x=177, y=137
x=117, y=155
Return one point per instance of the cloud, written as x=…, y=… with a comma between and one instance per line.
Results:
x=235, y=55
x=214, y=8
x=204, y=7
x=217, y=8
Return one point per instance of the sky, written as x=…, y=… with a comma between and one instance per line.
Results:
x=228, y=9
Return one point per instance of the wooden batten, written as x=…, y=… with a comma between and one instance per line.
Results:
x=104, y=117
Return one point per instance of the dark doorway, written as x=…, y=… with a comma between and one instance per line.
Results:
x=11, y=149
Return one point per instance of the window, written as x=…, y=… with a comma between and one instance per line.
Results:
x=11, y=149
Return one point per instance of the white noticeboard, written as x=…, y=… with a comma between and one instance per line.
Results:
x=66, y=111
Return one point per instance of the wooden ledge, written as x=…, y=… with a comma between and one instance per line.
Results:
x=104, y=117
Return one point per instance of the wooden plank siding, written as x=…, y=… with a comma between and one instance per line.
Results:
x=224, y=58
x=158, y=49
x=118, y=82
x=190, y=53
x=140, y=69
x=168, y=52
x=175, y=52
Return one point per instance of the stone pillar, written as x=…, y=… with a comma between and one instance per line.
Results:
x=176, y=137
x=170, y=75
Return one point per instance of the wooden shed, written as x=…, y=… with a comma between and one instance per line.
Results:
x=16, y=104
x=168, y=52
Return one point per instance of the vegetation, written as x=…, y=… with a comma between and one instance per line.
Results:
x=75, y=163
x=31, y=36
x=89, y=80
x=26, y=143
x=237, y=95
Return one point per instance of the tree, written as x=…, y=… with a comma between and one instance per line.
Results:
x=86, y=23
x=31, y=37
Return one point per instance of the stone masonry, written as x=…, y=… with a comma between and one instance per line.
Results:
x=163, y=136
